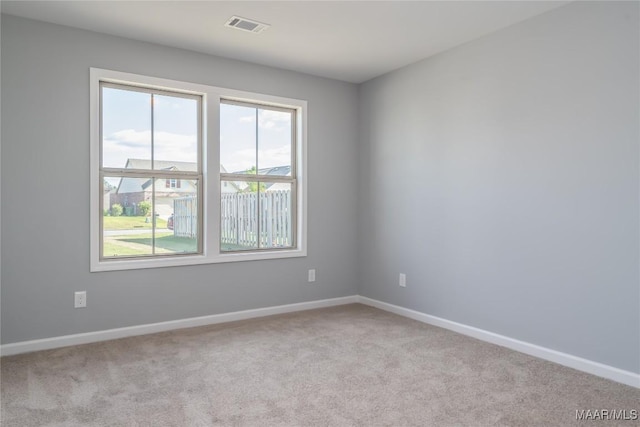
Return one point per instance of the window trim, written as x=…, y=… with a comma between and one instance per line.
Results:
x=212, y=95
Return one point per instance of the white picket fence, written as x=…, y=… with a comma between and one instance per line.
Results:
x=239, y=213
x=239, y=219
x=185, y=217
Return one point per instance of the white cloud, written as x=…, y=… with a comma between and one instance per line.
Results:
x=269, y=119
x=279, y=156
x=132, y=144
x=247, y=119
x=166, y=138
x=169, y=101
x=241, y=160
x=276, y=116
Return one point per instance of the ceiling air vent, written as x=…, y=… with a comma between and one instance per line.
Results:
x=245, y=24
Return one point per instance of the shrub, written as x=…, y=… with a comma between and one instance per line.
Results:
x=106, y=212
x=144, y=208
x=116, y=209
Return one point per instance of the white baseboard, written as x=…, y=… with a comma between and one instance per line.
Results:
x=578, y=363
x=110, y=334
x=585, y=365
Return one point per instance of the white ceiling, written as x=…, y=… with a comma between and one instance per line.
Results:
x=346, y=40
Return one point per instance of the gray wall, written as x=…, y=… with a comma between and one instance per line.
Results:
x=45, y=190
x=502, y=178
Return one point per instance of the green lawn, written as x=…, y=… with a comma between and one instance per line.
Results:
x=130, y=222
x=114, y=249
x=140, y=244
x=165, y=244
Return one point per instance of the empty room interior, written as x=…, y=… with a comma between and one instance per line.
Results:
x=425, y=213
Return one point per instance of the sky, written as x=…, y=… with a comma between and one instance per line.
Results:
x=238, y=138
x=126, y=131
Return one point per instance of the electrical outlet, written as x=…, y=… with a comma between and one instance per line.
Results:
x=80, y=299
x=403, y=280
x=312, y=275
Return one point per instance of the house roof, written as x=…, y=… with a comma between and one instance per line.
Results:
x=192, y=167
x=162, y=165
x=133, y=185
x=276, y=170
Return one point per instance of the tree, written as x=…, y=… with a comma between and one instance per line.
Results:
x=144, y=208
x=116, y=209
x=253, y=186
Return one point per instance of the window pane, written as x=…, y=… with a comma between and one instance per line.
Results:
x=274, y=142
x=275, y=215
x=238, y=215
x=127, y=227
x=237, y=139
x=176, y=203
x=175, y=132
x=129, y=208
x=126, y=129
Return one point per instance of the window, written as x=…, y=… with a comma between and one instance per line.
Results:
x=155, y=198
x=257, y=175
x=149, y=142
x=172, y=183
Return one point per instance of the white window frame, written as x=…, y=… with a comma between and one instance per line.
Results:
x=172, y=178
x=211, y=173
x=258, y=178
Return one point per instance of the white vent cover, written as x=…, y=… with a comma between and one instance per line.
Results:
x=245, y=24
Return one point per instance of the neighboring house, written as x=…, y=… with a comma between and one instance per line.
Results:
x=277, y=171
x=228, y=186
x=132, y=191
x=274, y=171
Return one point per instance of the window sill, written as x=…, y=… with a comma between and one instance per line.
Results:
x=186, y=260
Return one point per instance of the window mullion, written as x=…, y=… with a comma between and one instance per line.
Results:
x=153, y=216
x=258, y=204
x=152, y=134
x=153, y=181
x=294, y=154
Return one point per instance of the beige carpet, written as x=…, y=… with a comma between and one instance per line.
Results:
x=343, y=366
